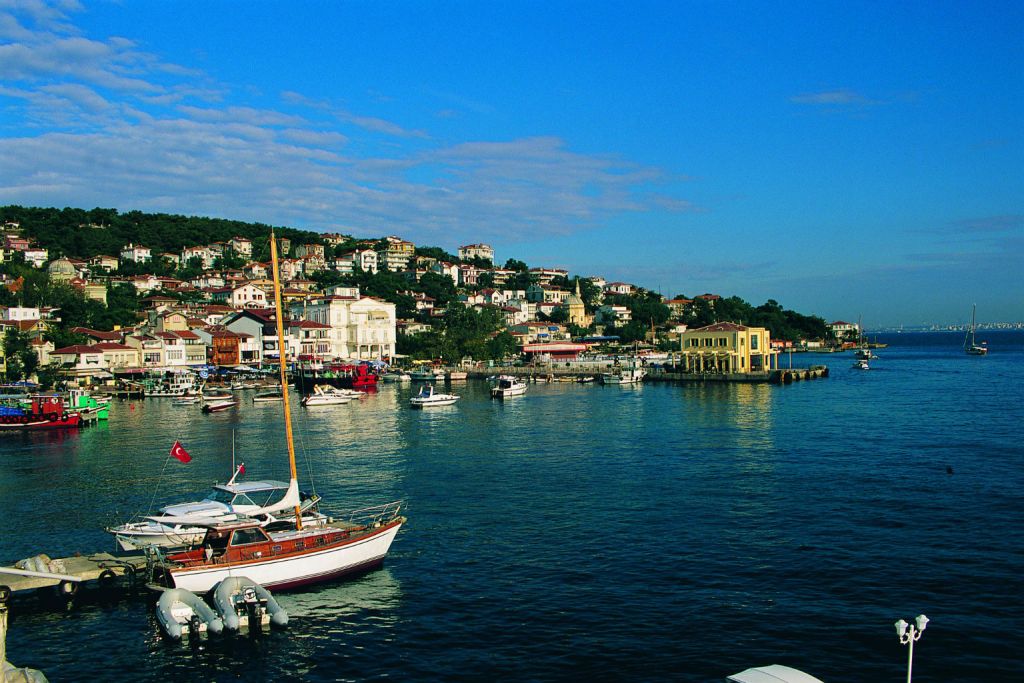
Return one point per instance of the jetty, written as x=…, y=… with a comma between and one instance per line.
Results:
x=66, y=574
x=570, y=372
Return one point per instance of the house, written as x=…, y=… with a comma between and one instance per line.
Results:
x=145, y=283
x=445, y=268
x=476, y=251
x=841, y=329
x=727, y=348
x=619, y=288
x=538, y=332
x=412, y=327
x=98, y=336
x=103, y=262
x=544, y=276
x=136, y=253
x=397, y=253
x=259, y=325
x=222, y=345
x=313, y=339
x=468, y=275
x=205, y=256
x=21, y=313
x=617, y=315
x=242, y=296
x=242, y=246
x=677, y=308
x=255, y=270
x=150, y=350
x=35, y=256
x=360, y=327
x=96, y=291
x=358, y=259
x=304, y=250
x=501, y=276
x=334, y=239
x=290, y=268
x=94, y=360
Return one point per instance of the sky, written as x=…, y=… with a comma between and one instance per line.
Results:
x=846, y=159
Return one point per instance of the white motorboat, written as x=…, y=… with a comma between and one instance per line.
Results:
x=299, y=556
x=173, y=526
x=269, y=396
x=861, y=364
x=172, y=383
x=395, y=376
x=219, y=405
x=628, y=375
x=426, y=375
x=324, y=395
x=508, y=386
x=428, y=397
x=187, y=400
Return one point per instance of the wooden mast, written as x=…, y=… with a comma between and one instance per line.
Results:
x=281, y=346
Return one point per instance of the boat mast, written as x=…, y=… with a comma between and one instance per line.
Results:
x=284, y=374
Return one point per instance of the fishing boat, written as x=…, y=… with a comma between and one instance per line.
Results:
x=296, y=557
x=325, y=395
x=428, y=398
x=171, y=383
x=219, y=405
x=508, y=386
x=624, y=375
x=43, y=412
x=173, y=527
x=971, y=347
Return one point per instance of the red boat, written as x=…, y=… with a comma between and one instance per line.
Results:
x=344, y=375
x=45, y=412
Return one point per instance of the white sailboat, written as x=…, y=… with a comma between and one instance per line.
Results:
x=284, y=559
x=971, y=347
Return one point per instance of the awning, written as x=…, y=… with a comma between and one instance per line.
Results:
x=773, y=673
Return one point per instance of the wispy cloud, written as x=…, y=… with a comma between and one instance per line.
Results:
x=96, y=121
x=832, y=98
x=989, y=224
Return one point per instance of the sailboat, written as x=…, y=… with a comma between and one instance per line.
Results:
x=971, y=347
x=281, y=559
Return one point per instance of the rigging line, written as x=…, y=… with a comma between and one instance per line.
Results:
x=158, y=482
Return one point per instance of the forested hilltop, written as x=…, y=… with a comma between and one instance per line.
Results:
x=80, y=233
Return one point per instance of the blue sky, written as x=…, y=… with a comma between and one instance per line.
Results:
x=846, y=159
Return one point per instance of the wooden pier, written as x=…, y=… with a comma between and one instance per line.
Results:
x=66, y=574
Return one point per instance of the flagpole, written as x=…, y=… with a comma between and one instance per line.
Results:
x=284, y=374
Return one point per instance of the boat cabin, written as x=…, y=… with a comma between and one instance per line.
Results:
x=245, y=539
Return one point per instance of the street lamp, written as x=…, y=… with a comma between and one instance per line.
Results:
x=909, y=635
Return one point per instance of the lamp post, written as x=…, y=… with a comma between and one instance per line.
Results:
x=909, y=635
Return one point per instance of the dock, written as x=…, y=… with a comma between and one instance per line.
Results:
x=67, y=574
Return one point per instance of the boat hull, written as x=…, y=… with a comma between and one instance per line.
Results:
x=287, y=572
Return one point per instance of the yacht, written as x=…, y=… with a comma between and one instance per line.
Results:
x=428, y=397
x=508, y=386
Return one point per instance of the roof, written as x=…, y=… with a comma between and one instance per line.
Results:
x=98, y=334
x=111, y=346
x=76, y=350
x=309, y=324
x=721, y=327
x=554, y=347
x=773, y=673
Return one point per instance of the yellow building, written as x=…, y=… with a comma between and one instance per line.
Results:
x=728, y=348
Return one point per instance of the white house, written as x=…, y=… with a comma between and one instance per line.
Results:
x=136, y=252
x=482, y=251
x=360, y=327
x=241, y=296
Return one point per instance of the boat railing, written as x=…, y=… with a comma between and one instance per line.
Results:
x=374, y=516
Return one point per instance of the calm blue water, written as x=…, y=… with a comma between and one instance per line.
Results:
x=588, y=532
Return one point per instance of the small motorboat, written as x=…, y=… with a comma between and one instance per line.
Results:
x=219, y=405
x=585, y=379
x=324, y=395
x=861, y=364
x=181, y=612
x=270, y=396
x=508, y=386
x=428, y=398
x=243, y=603
x=185, y=401
x=395, y=376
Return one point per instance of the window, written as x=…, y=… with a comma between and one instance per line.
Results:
x=753, y=342
x=247, y=536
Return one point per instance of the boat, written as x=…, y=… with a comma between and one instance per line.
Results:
x=43, y=412
x=185, y=401
x=219, y=405
x=173, y=527
x=585, y=379
x=171, y=383
x=426, y=375
x=395, y=376
x=773, y=673
x=971, y=347
x=289, y=558
x=861, y=364
x=429, y=398
x=325, y=395
x=624, y=375
x=268, y=396
x=508, y=386
x=243, y=603
x=181, y=612
x=343, y=375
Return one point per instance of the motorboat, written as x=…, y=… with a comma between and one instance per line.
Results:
x=861, y=364
x=219, y=405
x=298, y=556
x=187, y=400
x=426, y=375
x=773, y=673
x=172, y=383
x=172, y=527
x=508, y=386
x=269, y=396
x=428, y=397
x=396, y=376
x=628, y=375
x=325, y=395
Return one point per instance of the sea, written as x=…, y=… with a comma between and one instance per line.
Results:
x=678, y=532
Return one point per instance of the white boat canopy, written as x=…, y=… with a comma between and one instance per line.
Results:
x=773, y=673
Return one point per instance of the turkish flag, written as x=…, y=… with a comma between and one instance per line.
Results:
x=180, y=453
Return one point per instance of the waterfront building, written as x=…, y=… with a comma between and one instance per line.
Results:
x=842, y=330
x=727, y=348
x=96, y=360
x=312, y=339
x=36, y=257
x=241, y=296
x=481, y=251
x=222, y=345
x=576, y=310
x=259, y=325
x=360, y=327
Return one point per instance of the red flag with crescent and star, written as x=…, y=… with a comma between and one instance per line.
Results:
x=180, y=453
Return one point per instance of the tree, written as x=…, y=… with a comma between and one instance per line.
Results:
x=22, y=360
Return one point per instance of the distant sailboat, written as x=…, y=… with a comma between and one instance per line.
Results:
x=971, y=347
